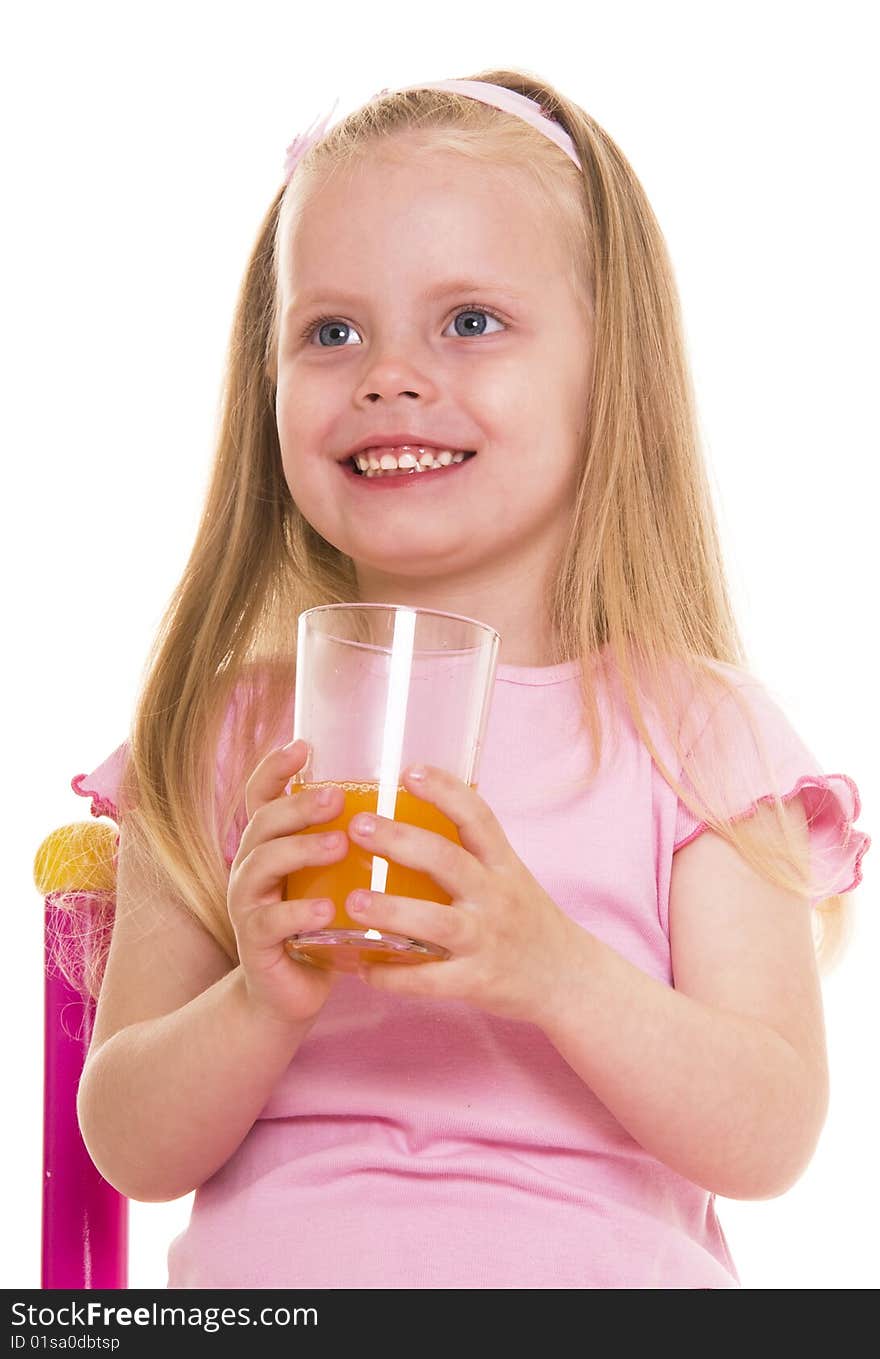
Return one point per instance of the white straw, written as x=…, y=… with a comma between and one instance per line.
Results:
x=402, y=645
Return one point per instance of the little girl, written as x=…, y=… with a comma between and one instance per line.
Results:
x=630, y=1021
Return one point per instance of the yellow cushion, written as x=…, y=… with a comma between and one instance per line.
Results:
x=77, y=858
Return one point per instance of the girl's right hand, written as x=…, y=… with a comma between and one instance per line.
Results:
x=282, y=987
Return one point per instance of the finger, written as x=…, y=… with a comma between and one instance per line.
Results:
x=447, y=926
x=460, y=870
x=453, y=870
x=273, y=773
x=285, y=815
x=259, y=877
x=478, y=827
x=268, y=926
x=438, y=979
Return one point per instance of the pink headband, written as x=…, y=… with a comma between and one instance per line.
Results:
x=498, y=96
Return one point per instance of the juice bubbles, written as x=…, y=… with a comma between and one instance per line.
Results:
x=336, y=880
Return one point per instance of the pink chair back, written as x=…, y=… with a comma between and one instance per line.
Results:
x=84, y=1219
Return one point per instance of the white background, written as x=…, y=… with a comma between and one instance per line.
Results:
x=142, y=147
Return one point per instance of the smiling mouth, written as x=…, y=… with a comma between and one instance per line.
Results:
x=365, y=464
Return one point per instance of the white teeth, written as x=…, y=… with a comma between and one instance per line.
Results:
x=370, y=464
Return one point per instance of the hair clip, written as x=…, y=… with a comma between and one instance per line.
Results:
x=303, y=142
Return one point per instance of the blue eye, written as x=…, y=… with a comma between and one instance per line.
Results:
x=338, y=332
x=332, y=326
x=478, y=312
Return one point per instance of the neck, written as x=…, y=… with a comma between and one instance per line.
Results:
x=512, y=604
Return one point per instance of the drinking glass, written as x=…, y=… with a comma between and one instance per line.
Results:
x=380, y=687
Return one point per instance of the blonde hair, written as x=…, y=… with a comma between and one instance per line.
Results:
x=640, y=591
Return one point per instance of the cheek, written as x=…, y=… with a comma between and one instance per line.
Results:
x=301, y=412
x=291, y=426
x=291, y=464
x=307, y=482
x=300, y=439
x=579, y=388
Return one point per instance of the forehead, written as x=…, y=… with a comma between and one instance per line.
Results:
x=392, y=214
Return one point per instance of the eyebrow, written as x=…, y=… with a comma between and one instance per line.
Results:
x=433, y=294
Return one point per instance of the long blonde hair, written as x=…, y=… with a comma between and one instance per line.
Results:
x=641, y=582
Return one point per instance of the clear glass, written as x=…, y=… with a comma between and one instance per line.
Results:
x=380, y=687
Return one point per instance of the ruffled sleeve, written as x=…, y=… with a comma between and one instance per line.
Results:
x=747, y=769
x=102, y=785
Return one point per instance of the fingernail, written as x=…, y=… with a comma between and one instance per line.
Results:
x=418, y=773
x=291, y=746
x=364, y=824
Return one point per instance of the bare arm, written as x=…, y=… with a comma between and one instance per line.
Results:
x=187, y=1047
x=723, y=1078
x=164, y=1102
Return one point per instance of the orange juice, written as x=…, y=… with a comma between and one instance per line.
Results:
x=336, y=880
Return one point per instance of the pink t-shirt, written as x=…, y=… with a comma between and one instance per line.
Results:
x=417, y=1143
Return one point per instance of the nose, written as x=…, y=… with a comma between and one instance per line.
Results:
x=373, y=397
x=394, y=373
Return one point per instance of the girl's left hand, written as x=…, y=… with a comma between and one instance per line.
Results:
x=509, y=942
